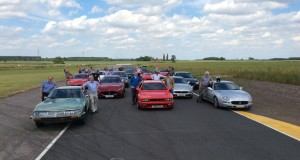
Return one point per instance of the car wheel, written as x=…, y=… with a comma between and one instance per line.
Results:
x=39, y=124
x=216, y=102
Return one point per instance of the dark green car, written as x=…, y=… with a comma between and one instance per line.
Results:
x=63, y=104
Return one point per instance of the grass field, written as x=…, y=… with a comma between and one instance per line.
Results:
x=16, y=76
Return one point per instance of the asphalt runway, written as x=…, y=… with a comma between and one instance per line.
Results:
x=119, y=131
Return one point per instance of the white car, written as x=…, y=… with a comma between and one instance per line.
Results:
x=182, y=88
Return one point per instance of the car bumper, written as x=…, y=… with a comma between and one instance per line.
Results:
x=56, y=119
x=182, y=94
x=230, y=105
x=110, y=94
x=167, y=104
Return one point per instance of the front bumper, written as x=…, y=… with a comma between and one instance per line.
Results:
x=230, y=105
x=156, y=104
x=110, y=94
x=182, y=94
x=56, y=119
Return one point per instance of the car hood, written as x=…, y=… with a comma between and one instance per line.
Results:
x=60, y=104
x=191, y=79
x=180, y=87
x=110, y=86
x=234, y=95
x=77, y=81
x=156, y=94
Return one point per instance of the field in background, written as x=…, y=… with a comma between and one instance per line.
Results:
x=16, y=76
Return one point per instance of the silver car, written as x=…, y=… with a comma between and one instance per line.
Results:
x=227, y=94
x=182, y=88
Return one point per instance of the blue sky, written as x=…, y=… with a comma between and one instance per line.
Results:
x=189, y=29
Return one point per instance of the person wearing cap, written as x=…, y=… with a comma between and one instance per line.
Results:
x=169, y=82
x=204, y=83
x=92, y=88
x=46, y=87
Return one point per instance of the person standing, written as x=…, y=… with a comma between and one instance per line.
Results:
x=134, y=83
x=92, y=87
x=46, y=87
x=169, y=82
x=156, y=76
x=68, y=75
x=204, y=83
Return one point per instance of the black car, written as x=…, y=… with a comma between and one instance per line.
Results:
x=189, y=78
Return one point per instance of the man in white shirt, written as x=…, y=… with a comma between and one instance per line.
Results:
x=156, y=76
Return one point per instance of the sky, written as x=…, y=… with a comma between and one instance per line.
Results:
x=188, y=29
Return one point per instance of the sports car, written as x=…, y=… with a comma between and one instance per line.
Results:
x=146, y=76
x=189, y=78
x=154, y=94
x=227, y=94
x=63, y=104
x=78, y=80
x=111, y=86
x=123, y=76
x=182, y=88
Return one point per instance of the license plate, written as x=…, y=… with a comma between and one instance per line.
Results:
x=109, y=96
x=157, y=106
x=180, y=94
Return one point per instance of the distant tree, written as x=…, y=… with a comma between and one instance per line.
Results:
x=164, y=57
x=222, y=58
x=173, y=58
x=145, y=58
x=214, y=58
x=58, y=60
x=251, y=58
x=167, y=57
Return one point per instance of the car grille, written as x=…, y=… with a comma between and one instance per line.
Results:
x=239, y=102
x=109, y=93
x=181, y=92
x=156, y=99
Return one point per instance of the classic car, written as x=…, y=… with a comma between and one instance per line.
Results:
x=146, y=76
x=63, y=104
x=111, y=86
x=123, y=76
x=154, y=94
x=78, y=79
x=189, y=78
x=228, y=94
x=182, y=88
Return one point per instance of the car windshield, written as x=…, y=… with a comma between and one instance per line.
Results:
x=184, y=75
x=80, y=76
x=154, y=86
x=129, y=71
x=111, y=80
x=65, y=93
x=180, y=80
x=226, y=86
x=121, y=74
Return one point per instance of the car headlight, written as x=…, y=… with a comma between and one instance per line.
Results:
x=169, y=99
x=250, y=99
x=145, y=100
x=197, y=82
x=226, y=99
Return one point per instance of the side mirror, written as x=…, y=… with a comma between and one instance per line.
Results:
x=209, y=88
x=241, y=88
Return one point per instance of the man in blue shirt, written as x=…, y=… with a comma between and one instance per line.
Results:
x=46, y=87
x=134, y=83
x=92, y=87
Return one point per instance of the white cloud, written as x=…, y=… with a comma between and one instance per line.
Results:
x=266, y=34
x=96, y=9
x=232, y=42
x=278, y=41
x=296, y=38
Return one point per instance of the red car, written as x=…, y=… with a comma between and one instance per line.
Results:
x=111, y=87
x=146, y=76
x=78, y=79
x=154, y=94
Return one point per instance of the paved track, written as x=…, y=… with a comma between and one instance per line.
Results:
x=120, y=131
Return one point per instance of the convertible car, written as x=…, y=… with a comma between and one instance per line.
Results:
x=182, y=88
x=189, y=78
x=227, y=94
x=78, y=79
x=111, y=87
x=154, y=94
x=63, y=104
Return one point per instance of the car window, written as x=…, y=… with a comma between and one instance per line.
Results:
x=184, y=75
x=154, y=86
x=65, y=93
x=80, y=76
x=111, y=80
x=225, y=86
x=179, y=80
x=121, y=74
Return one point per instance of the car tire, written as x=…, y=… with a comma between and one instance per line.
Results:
x=39, y=124
x=216, y=102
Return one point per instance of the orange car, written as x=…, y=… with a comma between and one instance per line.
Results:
x=78, y=80
x=154, y=94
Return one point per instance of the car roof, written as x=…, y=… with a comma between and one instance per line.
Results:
x=177, y=77
x=69, y=87
x=118, y=71
x=111, y=76
x=152, y=81
x=223, y=81
x=182, y=72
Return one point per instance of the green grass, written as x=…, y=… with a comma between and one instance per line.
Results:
x=16, y=76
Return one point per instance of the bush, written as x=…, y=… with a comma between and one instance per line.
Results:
x=58, y=60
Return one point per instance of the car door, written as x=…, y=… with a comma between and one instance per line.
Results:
x=87, y=100
x=209, y=94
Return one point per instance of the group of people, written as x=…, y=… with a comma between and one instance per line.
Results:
x=92, y=85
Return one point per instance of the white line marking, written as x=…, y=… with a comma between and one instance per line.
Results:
x=52, y=143
x=267, y=126
x=262, y=124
